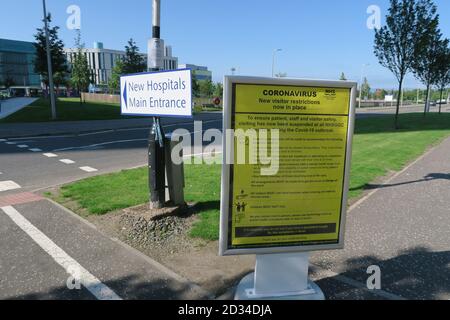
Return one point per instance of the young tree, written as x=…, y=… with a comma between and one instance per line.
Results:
x=365, y=89
x=343, y=77
x=396, y=43
x=443, y=77
x=195, y=86
x=206, y=88
x=133, y=62
x=59, y=63
x=218, y=90
x=81, y=75
x=9, y=80
x=429, y=45
x=117, y=71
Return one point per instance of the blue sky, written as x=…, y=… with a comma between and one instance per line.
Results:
x=320, y=38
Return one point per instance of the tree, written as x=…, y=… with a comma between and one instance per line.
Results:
x=396, y=43
x=343, y=77
x=117, y=72
x=206, y=88
x=218, y=90
x=9, y=80
x=429, y=45
x=133, y=61
x=195, y=86
x=443, y=73
x=59, y=64
x=365, y=89
x=81, y=75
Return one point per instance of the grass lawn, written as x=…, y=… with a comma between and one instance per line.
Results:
x=377, y=150
x=68, y=109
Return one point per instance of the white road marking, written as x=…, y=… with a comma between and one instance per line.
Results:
x=88, y=169
x=3, y=140
x=50, y=155
x=11, y=143
x=67, y=161
x=95, y=133
x=22, y=146
x=99, y=145
x=8, y=185
x=35, y=150
x=72, y=267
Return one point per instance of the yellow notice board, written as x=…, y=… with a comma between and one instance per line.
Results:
x=300, y=204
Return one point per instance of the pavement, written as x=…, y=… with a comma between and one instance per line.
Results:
x=44, y=246
x=8, y=107
x=403, y=228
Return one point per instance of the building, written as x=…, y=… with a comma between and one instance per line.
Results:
x=17, y=67
x=102, y=61
x=200, y=73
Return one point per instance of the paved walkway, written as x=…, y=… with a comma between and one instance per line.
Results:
x=404, y=228
x=10, y=106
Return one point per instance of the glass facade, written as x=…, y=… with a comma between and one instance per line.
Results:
x=16, y=64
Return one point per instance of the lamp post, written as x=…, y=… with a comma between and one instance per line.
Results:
x=361, y=83
x=49, y=63
x=273, y=61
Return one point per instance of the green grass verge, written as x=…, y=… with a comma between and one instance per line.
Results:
x=377, y=150
x=68, y=109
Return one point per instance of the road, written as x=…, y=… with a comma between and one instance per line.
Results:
x=42, y=245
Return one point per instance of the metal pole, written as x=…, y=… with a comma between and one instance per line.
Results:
x=49, y=63
x=273, y=61
x=156, y=148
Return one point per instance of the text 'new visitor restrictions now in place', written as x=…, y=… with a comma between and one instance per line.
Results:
x=165, y=94
x=303, y=203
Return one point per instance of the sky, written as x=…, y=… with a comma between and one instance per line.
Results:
x=319, y=39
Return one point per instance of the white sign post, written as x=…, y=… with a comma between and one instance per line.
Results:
x=159, y=94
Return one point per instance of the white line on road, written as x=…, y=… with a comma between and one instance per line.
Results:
x=8, y=185
x=72, y=267
x=88, y=169
x=50, y=155
x=3, y=140
x=94, y=133
x=67, y=161
x=99, y=145
x=35, y=150
x=22, y=146
x=11, y=143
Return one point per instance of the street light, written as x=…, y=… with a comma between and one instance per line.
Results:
x=360, y=83
x=49, y=63
x=273, y=61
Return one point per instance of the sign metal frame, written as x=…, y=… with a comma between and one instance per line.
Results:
x=229, y=83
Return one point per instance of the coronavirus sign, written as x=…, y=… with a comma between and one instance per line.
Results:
x=301, y=204
x=160, y=94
